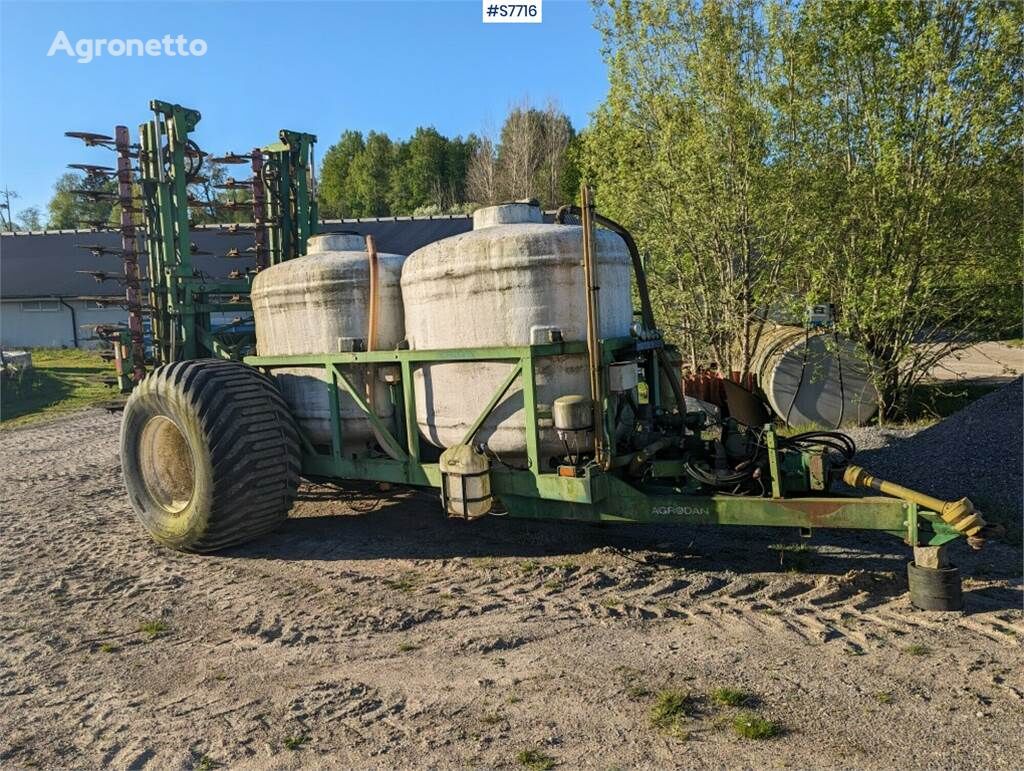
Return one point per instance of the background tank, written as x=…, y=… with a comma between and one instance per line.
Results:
x=817, y=379
x=320, y=303
x=510, y=281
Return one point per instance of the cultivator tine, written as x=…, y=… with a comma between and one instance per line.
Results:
x=98, y=250
x=99, y=173
x=231, y=158
x=99, y=275
x=235, y=184
x=98, y=225
x=235, y=230
x=96, y=195
x=91, y=139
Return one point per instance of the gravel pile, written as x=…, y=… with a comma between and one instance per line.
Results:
x=976, y=452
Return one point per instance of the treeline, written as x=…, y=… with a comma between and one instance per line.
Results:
x=769, y=155
x=535, y=155
x=429, y=173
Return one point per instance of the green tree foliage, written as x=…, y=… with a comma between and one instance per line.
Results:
x=220, y=201
x=67, y=210
x=531, y=159
x=862, y=152
x=30, y=218
x=910, y=133
x=422, y=175
x=537, y=157
x=334, y=173
x=684, y=153
x=378, y=177
x=370, y=178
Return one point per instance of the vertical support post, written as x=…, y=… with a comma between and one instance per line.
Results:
x=913, y=536
x=529, y=377
x=177, y=138
x=774, y=468
x=332, y=395
x=412, y=429
x=259, y=210
x=129, y=255
x=593, y=341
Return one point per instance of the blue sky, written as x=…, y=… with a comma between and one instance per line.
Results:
x=314, y=66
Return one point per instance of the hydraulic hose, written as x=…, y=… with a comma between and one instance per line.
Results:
x=646, y=311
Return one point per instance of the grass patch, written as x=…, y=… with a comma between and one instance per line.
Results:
x=554, y=585
x=535, y=760
x=62, y=380
x=153, y=629
x=1016, y=342
x=794, y=557
x=730, y=697
x=108, y=647
x=206, y=763
x=918, y=650
x=527, y=567
x=492, y=718
x=637, y=691
x=408, y=646
x=404, y=583
x=610, y=602
x=883, y=697
x=670, y=709
x=750, y=726
x=294, y=743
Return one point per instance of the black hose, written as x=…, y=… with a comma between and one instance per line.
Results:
x=829, y=440
x=646, y=311
x=74, y=321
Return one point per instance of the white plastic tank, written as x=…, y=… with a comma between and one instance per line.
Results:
x=814, y=377
x=319, y=304
x=512, y=281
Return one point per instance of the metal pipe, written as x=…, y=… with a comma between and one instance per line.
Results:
x=960, y=514
x=371, y=333
x=74, y=321
x=158, y=147
x=371, y=338
x=593, y=341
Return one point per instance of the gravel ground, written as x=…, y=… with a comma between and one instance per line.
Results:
x=378, y=634
x=977, y=452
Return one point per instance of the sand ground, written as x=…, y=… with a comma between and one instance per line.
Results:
x=375, y=633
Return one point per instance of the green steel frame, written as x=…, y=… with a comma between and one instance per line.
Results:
x=182, y=302
x=594, y=495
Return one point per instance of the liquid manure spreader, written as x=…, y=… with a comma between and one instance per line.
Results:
x=486, y=365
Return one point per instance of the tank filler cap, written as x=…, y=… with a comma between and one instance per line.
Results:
x=335, y=242
x=511, y=213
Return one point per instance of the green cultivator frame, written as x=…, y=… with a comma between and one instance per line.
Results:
x=213, y=454
x=661, y=495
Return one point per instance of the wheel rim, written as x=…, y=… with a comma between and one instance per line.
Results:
x=165, y=460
